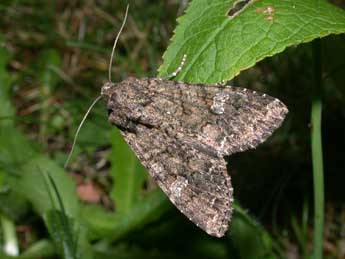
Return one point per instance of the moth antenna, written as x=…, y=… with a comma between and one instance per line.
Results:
x=116, y=40
x=78, y=130
x=99, y=97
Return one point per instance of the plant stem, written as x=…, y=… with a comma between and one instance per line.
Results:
x=10, y=236
x=316, y=148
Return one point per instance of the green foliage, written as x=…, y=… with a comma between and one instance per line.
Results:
x=59, y=227
x=6, y=111
x=219, y=46
x=128, y=175
x=47, y=66
x=115, y=225
x=13, y=148
x=42, y=248
x=248, y=238
x=12, y=203
x=32, y=176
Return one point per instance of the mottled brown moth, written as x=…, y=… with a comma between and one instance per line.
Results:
x=181, y=132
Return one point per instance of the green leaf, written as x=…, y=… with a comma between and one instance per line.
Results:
x=127, y=172
x=134, y=251
x=40, y=249
x=66, y=232
x=12, y=204
x=21, y=163
x=25, y=179
x=219, y=46
x=32, y=185
x=115, y=226
x=60, y=229
x=248, y=238
x=15, y=150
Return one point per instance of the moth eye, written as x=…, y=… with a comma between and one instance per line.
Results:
x=131, y=126
x=109, y=111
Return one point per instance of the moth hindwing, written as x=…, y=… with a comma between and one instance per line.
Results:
x=180, y=132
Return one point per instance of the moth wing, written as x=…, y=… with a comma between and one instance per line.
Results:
x=196, y=183
x=181, y=132
x=227, y=119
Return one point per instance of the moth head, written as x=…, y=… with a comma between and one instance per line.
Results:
x=107, y=89
x=128, y=104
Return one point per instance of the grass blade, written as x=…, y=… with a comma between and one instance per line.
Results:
x=316, y=148
x=10, y=237
x=58, y=223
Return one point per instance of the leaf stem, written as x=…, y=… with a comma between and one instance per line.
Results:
x=316, y=149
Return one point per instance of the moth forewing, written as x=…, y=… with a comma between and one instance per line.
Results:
x=180, y=133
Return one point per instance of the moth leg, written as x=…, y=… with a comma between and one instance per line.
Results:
x=178, y=69
x=222, y=83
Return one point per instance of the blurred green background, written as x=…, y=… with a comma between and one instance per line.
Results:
x=53, y=61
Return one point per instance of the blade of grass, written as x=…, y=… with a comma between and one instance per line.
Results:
x=64, y=219
x=316, y=149
x=9, y=235
x=301, y=230
x=62, y=223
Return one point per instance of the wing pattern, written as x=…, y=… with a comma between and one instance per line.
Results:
x=180, y=132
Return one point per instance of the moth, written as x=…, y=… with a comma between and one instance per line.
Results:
x=181, y=132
